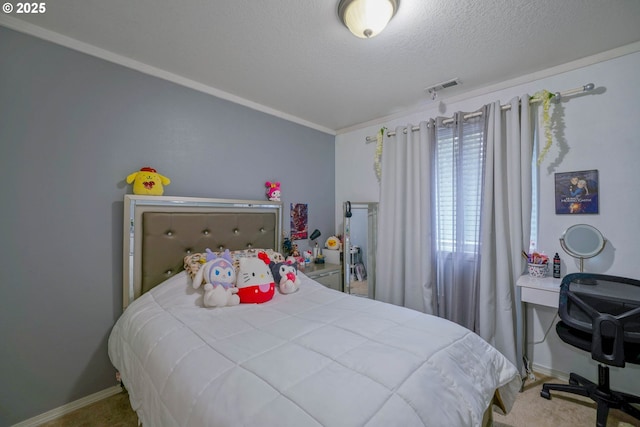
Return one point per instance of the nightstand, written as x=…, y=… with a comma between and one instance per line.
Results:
x=329, y=275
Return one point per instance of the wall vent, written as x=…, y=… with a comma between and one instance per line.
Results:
x=443, y=85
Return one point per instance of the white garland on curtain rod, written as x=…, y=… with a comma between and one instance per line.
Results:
x=377, y=163
x=543, y=96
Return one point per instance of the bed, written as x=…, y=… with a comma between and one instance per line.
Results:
x=316, y=357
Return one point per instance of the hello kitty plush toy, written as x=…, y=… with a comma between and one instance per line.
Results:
x=273, y=190
x=219, y=277
x=255, y=281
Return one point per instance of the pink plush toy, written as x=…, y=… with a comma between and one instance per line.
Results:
x=273, y=190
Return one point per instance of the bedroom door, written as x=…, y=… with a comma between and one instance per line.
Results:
x=360, y=221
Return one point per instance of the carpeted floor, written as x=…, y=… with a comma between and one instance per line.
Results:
x=563, y=410
x=114, y=411
x=359, y=288
x=530, y=410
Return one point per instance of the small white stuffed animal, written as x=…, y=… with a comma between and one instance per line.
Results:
x=219, y=277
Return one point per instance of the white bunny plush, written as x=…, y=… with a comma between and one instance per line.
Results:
x=219, y=279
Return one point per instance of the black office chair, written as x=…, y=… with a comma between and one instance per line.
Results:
x=600, y=314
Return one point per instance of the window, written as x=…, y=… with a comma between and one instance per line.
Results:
x=533, y=241
x=459, y=160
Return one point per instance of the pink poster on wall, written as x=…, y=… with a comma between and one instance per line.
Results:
x=299, y=228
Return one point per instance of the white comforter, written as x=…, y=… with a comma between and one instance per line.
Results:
x=316, y=357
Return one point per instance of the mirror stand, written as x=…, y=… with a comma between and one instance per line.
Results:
x=582, y=241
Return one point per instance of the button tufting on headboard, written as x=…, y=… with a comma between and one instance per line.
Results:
x=167, y=237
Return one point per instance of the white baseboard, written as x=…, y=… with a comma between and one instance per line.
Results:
x=543, y=370
x=69, y=407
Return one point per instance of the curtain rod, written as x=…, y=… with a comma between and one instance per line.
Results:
x=556, y=97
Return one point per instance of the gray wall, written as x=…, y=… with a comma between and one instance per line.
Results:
x=72, y=127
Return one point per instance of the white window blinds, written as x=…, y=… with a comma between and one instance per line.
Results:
x=459, y=160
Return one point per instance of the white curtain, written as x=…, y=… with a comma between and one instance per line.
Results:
x=406, y=252
x=505, y=224
x=404, y=255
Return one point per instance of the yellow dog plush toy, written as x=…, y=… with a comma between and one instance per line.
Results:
x=148, y=181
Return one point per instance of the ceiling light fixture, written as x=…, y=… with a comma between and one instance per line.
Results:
x=367, y=18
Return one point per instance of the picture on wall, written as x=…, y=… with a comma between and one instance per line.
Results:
x=577, y=192
x=299, y=228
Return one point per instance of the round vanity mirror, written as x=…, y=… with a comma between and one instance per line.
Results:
x=582, y=241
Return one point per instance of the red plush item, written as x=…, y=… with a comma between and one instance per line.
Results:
x=254, y=280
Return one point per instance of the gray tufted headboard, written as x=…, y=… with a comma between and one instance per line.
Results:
x=160, y=230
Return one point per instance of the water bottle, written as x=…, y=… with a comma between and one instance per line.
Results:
x=556, y=266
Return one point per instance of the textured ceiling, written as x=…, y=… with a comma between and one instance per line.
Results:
x=294, y=58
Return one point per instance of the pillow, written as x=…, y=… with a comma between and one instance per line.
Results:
x=236, y=256
x=193, y=262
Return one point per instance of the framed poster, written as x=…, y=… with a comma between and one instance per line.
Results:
x=577, y=192
x=299, y=228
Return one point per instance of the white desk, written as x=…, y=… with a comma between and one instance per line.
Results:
x=542, y=291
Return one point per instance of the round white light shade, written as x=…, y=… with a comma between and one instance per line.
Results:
x=366, y=18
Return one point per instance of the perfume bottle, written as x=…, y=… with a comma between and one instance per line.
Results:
x=556, y=266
